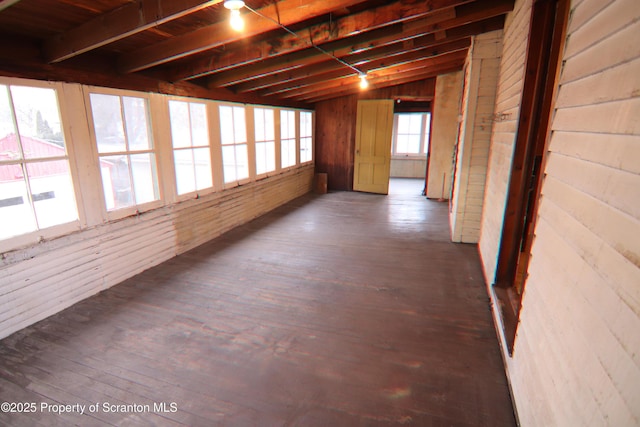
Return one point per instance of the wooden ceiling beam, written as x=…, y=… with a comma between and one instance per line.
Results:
x=387, y=81
x=286, y=12
x=393, y=70
x=465, y=14
x=409, y=77
x=274, y=83
x=470, y=19
x=369, y=66
x=297, y=59
x=289, y=63
x=462, y=26
x=458, y=13
x=325, y=66
x=125, y=21
x=383, y=16
x=4, y=4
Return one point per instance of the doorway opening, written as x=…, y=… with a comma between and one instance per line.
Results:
x=410, y=146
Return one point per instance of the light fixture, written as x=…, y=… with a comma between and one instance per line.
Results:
x=236, y=20
x=363, y=81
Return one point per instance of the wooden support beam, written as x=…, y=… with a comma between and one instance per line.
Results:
x=383, y=16
x=4, y=4
x=286, y=12
x=275, y=83
x=454, y=29
x=457, y=14
x=348, y=79
x=465, y=14
x=384, y=61
x=263, y=51
x=125, y=21
x=294, y=60
x=388, y=81
x=324, y=65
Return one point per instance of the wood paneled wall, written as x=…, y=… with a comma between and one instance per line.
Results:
x=335, y=129
x=507, y=109
x=444, y=134
x=41, y=280
x=481, y=79
x=576, y=358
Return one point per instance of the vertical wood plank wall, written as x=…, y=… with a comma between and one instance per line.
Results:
x=39, y=281
x=444, y=133
x=475, y=135
x=507, y=108
x=335, y=140
x=335, y=129
x=576, y=359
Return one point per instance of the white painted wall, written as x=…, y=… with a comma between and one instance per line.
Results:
x=408, y=167
x=101, y=249
x=41, y=280
x=444, y=134
x=576, y=359
x=481, y=77
x=507, y=109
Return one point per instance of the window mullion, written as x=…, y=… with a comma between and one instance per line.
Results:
x=128, y=152
x=23, y=164
x=422, y=129
x=193, y=169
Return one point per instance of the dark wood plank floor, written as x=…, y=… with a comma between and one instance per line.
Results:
x=344, y=309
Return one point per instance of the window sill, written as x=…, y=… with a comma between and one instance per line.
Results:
x=409, y=157
x=509, y=309
x=34, y=237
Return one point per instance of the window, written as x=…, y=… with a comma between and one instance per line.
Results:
x=265, y=140
x=233, y=134
x=306, y=136
x=125, y=150
x=36, y=190
x=411, y=134
x=287, y=138
x=190, y=139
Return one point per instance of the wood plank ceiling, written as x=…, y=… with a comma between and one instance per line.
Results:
x=276, y=57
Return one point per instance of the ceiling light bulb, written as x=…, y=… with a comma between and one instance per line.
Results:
x=237, y=23
x=363, y=81
x=233, y=4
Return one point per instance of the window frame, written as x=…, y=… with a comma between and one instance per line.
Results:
x=425, y=135
x=115, y=214
x=58, y=230
x=209, y=107
x=248, y=178
x=311, y=137
x=274, y=111
x=296, y=138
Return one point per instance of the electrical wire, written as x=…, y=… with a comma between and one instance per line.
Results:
x=318, y=48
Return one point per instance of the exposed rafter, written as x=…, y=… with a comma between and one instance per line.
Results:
x=221, y=33
x=349, y=81
x=291, y=75
x=123, y=22
x=4, y=4
x=386, y=61
x=351, y=25
x=292, y=52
